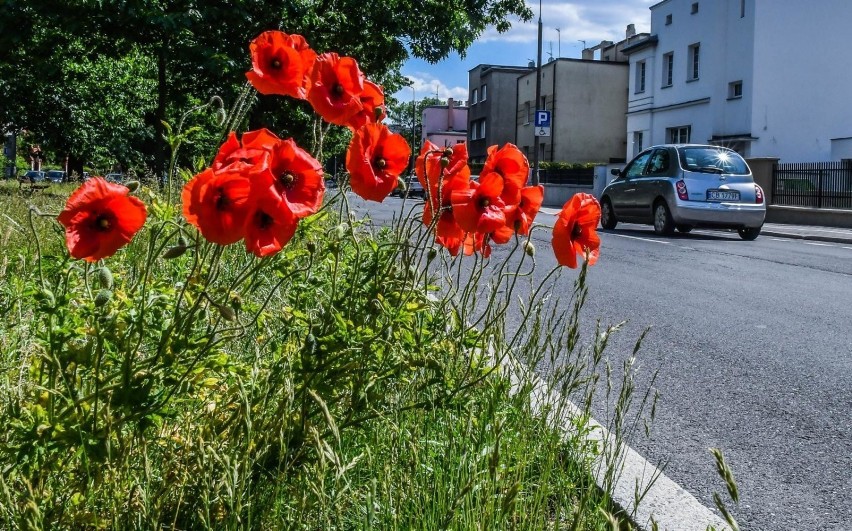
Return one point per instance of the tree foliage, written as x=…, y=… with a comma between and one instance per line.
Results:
x=96, y=78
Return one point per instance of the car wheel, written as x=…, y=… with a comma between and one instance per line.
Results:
x=663, y=223
x=608, y=219
x=684, y=228
x=748, y=234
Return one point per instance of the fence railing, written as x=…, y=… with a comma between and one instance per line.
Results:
x=813, y=184
x=579, y=176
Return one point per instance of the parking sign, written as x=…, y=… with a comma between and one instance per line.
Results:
x=542, y=123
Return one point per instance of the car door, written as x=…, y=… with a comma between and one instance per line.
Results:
x=654, y=181
x=622, y=191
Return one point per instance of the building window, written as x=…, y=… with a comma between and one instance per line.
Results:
x=530, y=111
x=474, y=99
x=543, y=103
x=484, y=90
x=694, y=52
x=735, y=90
x=679, y=135
x=637, y=142
x=694, y=8
x=640, y=77
x=668, y=20
x=668, y=68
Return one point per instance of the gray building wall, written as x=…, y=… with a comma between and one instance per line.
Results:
x=497, y=109
x=587, y=100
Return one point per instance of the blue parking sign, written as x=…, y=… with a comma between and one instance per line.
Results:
x=542, y=118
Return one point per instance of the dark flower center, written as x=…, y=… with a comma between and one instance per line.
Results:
x=263, y=220
x=287, y=180
x=275, y=64
x=380, y=163
x=337, y=90
x=222, y=200
x=484, y=202
x=103, y=223
x=576, y=231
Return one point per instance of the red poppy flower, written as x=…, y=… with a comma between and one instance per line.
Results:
x=269, y=225
x=513, y=166
x=99, y=218
x=295, y=177
x=281, y=64
x=336, y=87
x=217, y=204
x=476, y=242
x=373, y=103
x=245, y=156
x=575, y=231
x=446, y=227
x=375, y=159
x=519, y=217
x=426, y=149
x=479, y=208
x=432, y=172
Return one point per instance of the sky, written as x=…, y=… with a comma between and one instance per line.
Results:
x=591, y=21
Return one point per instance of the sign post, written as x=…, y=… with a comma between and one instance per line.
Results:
x=542, y=123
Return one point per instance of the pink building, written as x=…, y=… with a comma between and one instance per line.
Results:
x=445, y=125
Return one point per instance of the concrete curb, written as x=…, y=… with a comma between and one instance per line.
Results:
x=664, y=502
x=806, y=236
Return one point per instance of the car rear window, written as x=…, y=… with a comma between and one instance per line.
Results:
x=713, y=160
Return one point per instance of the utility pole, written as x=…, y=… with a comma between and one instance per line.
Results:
x=537, y=99
x=413, y=128
x=559, y=45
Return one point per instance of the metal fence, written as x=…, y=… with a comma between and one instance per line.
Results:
x=579, y=176
x=813, y=184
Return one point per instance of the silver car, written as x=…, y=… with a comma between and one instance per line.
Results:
x=681, y=186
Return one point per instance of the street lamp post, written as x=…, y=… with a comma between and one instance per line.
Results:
x=559, y=45
x=537, y=99
x=413, y=128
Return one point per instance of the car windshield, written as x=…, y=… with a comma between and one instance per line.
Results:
x=712, y=160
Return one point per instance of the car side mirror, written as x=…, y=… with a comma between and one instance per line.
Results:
x=616, y=172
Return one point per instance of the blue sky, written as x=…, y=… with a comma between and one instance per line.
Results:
x=578, y=20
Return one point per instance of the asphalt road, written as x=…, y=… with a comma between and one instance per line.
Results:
x=752, y=344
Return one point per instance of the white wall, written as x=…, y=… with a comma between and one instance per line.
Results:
x=802, y=78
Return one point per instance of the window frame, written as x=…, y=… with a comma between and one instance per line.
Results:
x=693, y=71
x=735, y=90
x=474, y=96
x=668, y=69
x=484, y=89
x=681, y=134
x=641, y=73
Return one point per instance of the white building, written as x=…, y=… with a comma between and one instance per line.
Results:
x=768, y=78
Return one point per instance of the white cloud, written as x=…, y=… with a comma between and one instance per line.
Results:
x=589, y=20
x=425, y=84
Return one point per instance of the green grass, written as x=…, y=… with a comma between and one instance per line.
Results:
x=341, y=397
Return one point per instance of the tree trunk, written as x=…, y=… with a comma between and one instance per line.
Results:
x=161, y=155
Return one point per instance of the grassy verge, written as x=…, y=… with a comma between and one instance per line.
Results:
x=321, y=389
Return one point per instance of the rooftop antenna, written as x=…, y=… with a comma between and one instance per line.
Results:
x=550, y=53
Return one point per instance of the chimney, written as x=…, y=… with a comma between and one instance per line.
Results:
x=631, y=30
x=450, y=114
x=588, y=54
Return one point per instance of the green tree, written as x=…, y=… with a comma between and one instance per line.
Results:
x=185, y=51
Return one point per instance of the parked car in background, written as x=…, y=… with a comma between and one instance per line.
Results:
x=33, y=176
x=56, y=176
x=114, y=177
x=413, y=188
x=681, y=186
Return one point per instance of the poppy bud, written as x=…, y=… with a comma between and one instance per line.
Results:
x=174, y=252
x=46, y=297
x=529, y=248
x=311, y=247
x=448, y=152
x=431, y=254
x=132, y=186
x=182, y=241
x=226, y=312
x=445, y=162
x=340, y=231
x=103, y=297
x=105, y=278
x=378, y=112
x=400, y=183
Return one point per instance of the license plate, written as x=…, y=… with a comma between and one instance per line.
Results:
x=723, y=195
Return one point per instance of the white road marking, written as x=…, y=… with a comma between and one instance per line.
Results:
x=638, y=238
x=819, y=244
x=850, y=248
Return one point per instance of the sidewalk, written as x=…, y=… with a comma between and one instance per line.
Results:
x=779, y=230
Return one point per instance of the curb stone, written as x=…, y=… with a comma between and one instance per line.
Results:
x=671, y=506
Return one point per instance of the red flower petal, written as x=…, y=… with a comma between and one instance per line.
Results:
x=375, y=159
x=269, y=225
x=100, y=218
x=217, y=204
x=575, y=230
x=336, y=87
x=280, y=64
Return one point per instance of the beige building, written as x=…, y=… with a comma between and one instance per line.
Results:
x=587, y=100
